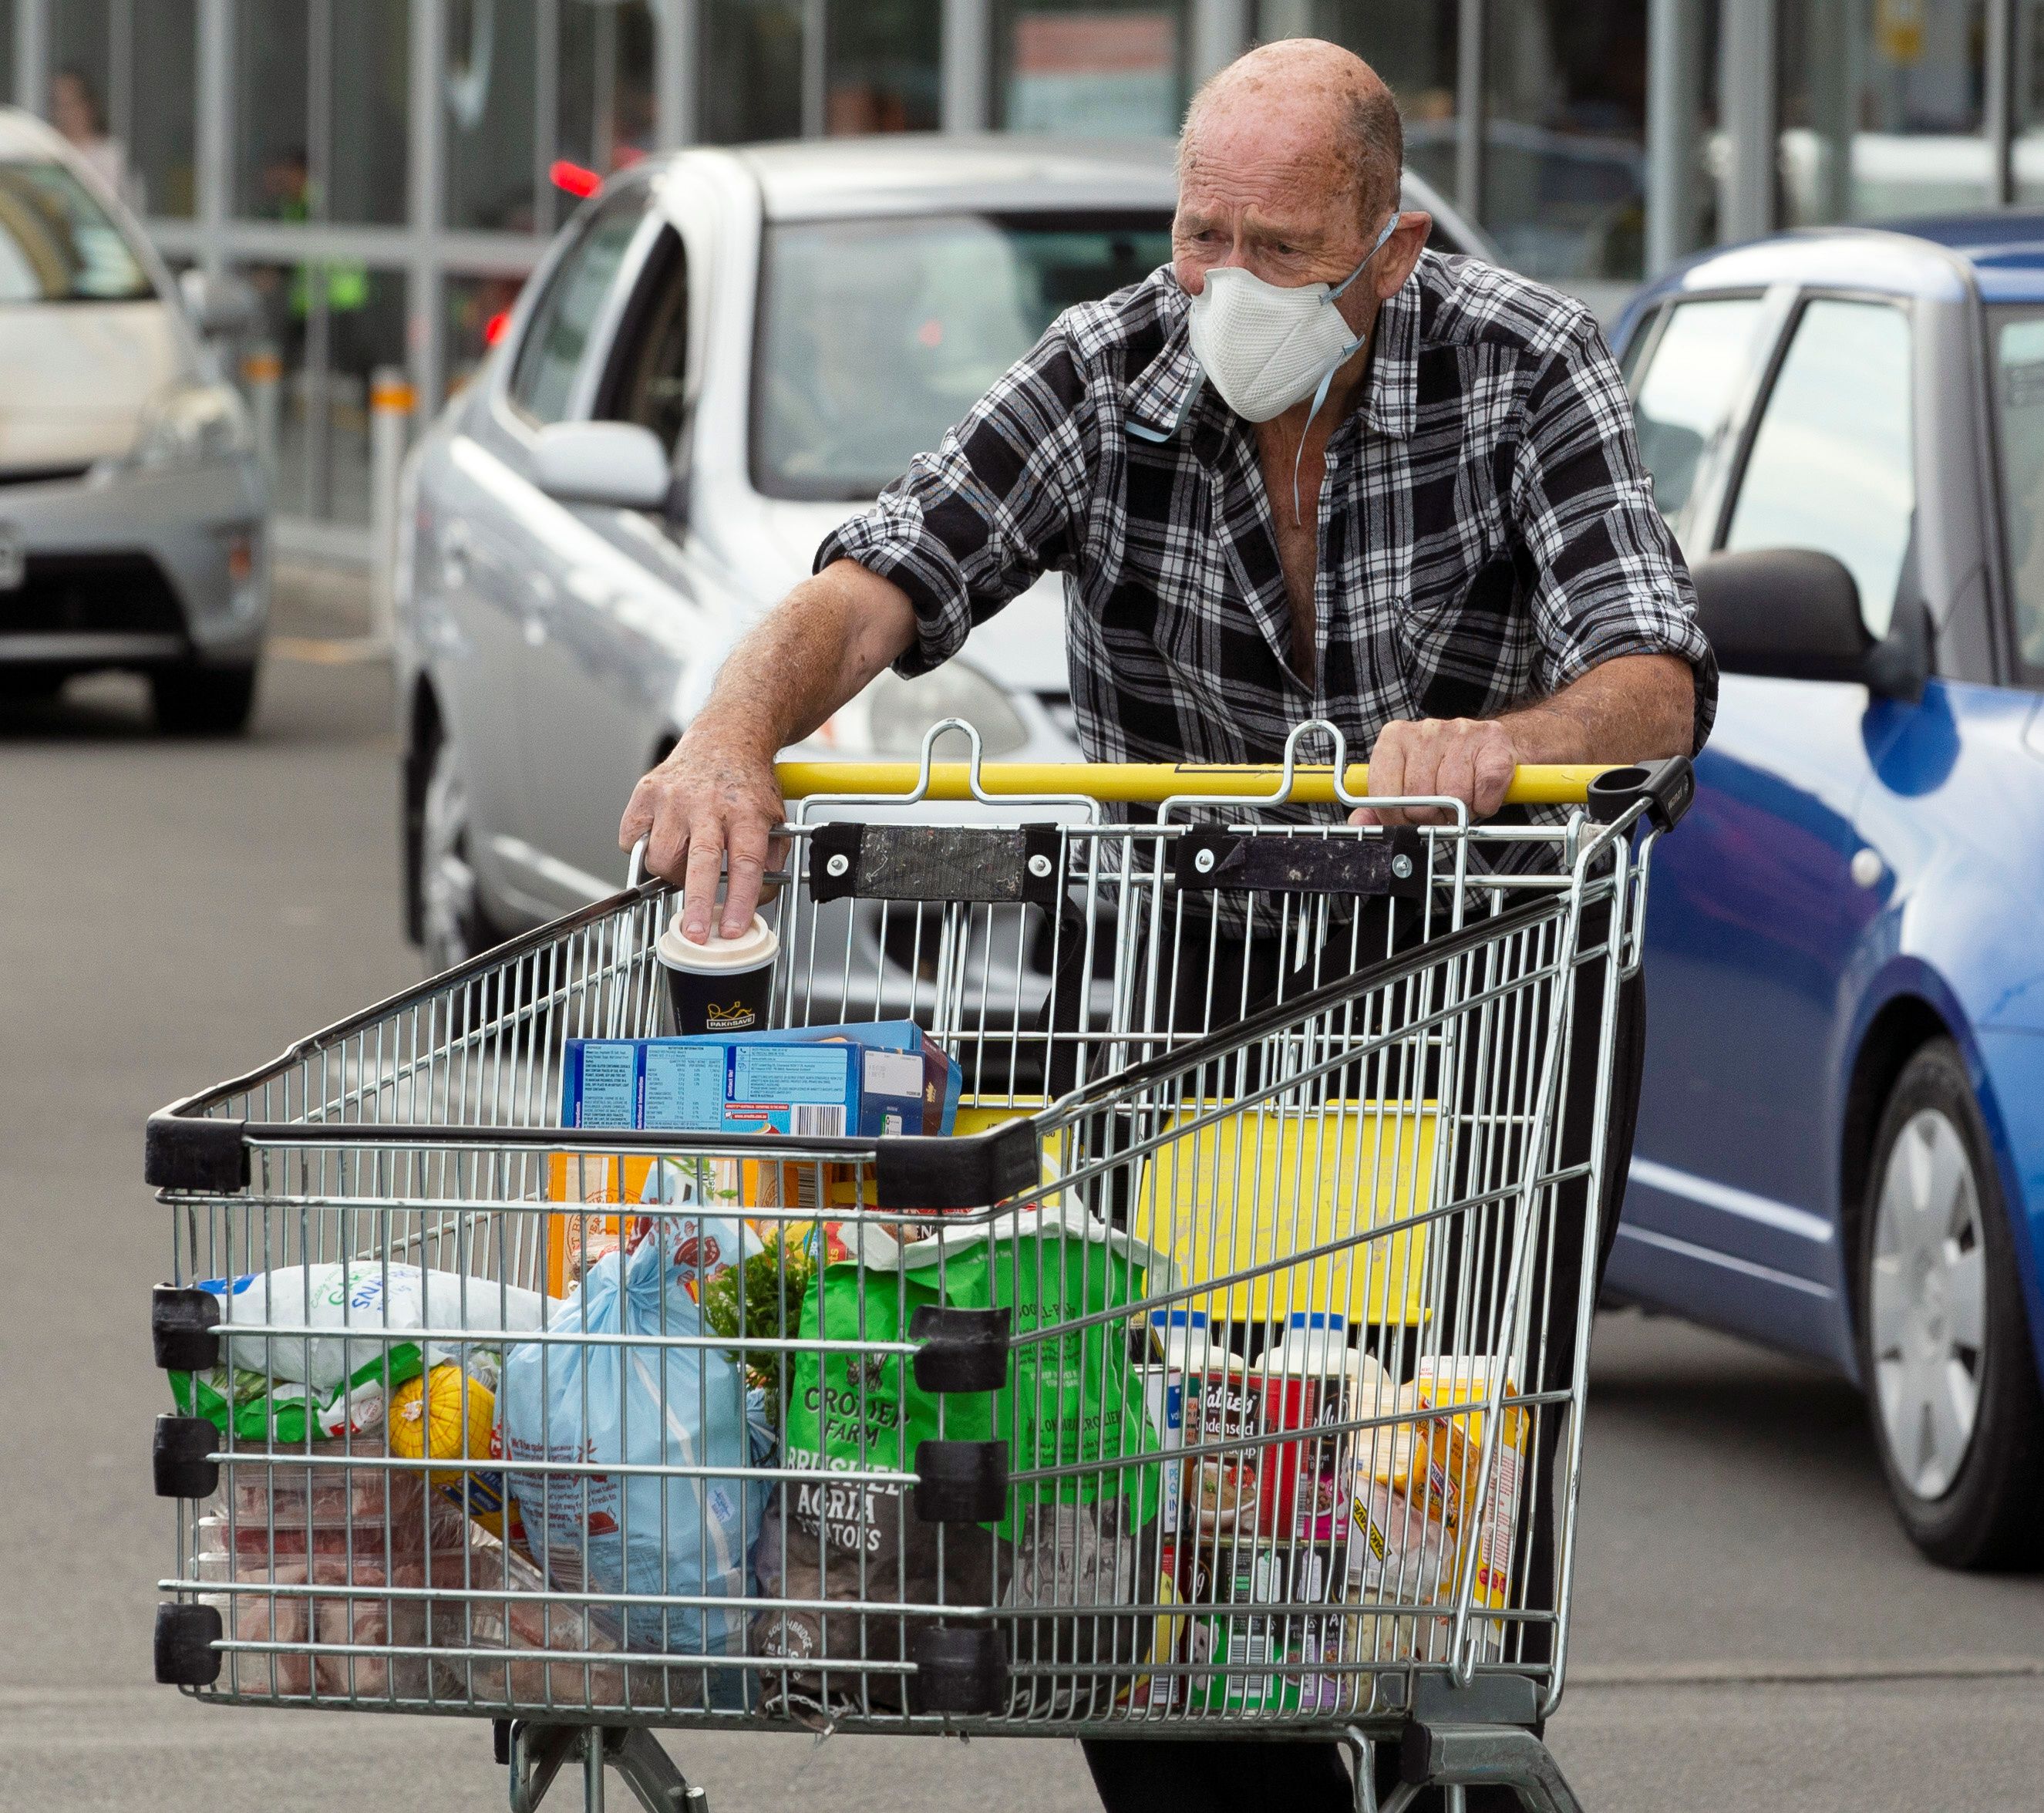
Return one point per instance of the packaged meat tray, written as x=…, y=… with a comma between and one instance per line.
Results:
x=517, y=1623
x=322, y=1479
x=428, y=1523
x=254, y=1614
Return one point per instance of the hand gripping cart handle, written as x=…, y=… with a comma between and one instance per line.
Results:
x=1131, y=1286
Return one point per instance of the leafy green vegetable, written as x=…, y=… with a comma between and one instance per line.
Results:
x=772, y=1281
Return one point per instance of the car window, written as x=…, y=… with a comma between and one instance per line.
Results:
x=58, y=244
x=1683, y=399
x=1830, y=467
x=647, y=379
x=558, y=337
x=876, y=336
x=2018, y=349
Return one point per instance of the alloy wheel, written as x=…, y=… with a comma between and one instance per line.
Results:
x=447, y=878
x=1927, y=1303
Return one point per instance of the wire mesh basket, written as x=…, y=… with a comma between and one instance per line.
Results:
x=1131, y=1284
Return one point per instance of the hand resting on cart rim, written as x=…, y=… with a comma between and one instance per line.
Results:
x=714, y=801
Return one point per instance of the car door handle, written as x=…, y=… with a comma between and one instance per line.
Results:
x=455, y=547
x=541, y=601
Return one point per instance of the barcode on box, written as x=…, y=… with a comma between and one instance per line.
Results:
x=818, y=1120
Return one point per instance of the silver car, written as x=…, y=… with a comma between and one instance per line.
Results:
x=727, y=353
x=133, y=509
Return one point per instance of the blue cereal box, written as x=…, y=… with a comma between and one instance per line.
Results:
x=810, y=1091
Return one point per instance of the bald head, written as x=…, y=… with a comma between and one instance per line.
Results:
x=1289, y=169
x=1306, y=103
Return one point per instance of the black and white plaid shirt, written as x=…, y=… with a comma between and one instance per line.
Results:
x=1487, y=532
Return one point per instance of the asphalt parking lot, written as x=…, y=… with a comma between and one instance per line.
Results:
x=1751, y=1629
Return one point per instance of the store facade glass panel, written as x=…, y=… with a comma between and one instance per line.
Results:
x=273, y=117
x=604, y=106
x=2027, y=94
x=1883, y=104
x=883, y=66
x=327, y=326
x=87, y=97
x=369, y=139
x=277, y=386
x=164, y=108
x=1413, y=46
x=365, y=329
x=492, y=99
x=1117, y=70
x=80, y=47
x=752, y=86
x=1565, y=138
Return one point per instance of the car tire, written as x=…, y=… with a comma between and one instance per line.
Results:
x=1945, y=1351
x=195, y=701
x=30, y=685
x=454, y=924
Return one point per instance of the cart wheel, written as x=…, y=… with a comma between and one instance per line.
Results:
x=452, y=920
x=1945, y=1348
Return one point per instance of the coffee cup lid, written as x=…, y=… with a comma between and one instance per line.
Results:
x=753, y=948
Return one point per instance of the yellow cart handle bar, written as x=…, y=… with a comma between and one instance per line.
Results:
x=1142, y=783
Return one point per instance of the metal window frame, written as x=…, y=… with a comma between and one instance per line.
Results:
x=31, y=54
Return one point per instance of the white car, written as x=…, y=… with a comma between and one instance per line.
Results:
x=133, y=512
x=727, y=353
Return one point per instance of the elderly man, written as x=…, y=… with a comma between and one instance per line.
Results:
x=1309, y=470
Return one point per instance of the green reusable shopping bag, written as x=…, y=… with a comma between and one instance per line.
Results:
x=1073, y=1399
x=841, y=1540
x=864, y=1410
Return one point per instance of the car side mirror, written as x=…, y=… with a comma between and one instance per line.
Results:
x=614, y=463
x=1793, y=614
x=221, y=306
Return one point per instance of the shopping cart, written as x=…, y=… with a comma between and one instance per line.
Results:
x=1215, y=1376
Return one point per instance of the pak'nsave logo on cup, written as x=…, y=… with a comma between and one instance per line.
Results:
x=735, y=1018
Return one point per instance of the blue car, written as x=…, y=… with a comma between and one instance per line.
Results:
x=1841, y=1141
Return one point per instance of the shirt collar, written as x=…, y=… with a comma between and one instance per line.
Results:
x=1391, y=403
x=1172, y=386
x=1167, y=388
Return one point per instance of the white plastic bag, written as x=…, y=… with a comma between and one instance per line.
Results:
x=372, y=1299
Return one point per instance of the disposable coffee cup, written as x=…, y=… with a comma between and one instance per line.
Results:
x=723, y=985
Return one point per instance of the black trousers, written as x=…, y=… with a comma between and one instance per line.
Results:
x=1168, y=1775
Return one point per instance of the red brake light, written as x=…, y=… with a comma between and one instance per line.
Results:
x=493, y=329
x=573, y=178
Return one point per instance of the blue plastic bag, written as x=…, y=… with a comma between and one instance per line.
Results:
x=644, y=1406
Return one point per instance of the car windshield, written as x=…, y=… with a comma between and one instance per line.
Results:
x=875, y=336
x=58, y=244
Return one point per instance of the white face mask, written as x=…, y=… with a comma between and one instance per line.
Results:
x=1265, y=347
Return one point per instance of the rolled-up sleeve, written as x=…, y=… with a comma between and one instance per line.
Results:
x=1608, y=578
x=999, y=503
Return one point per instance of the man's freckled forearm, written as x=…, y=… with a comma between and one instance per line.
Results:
x=1636, y=707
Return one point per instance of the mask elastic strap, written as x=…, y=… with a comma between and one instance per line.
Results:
x=1320, y=397
x=1376, y=246
x=1159, y=436
x=1347, y=352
